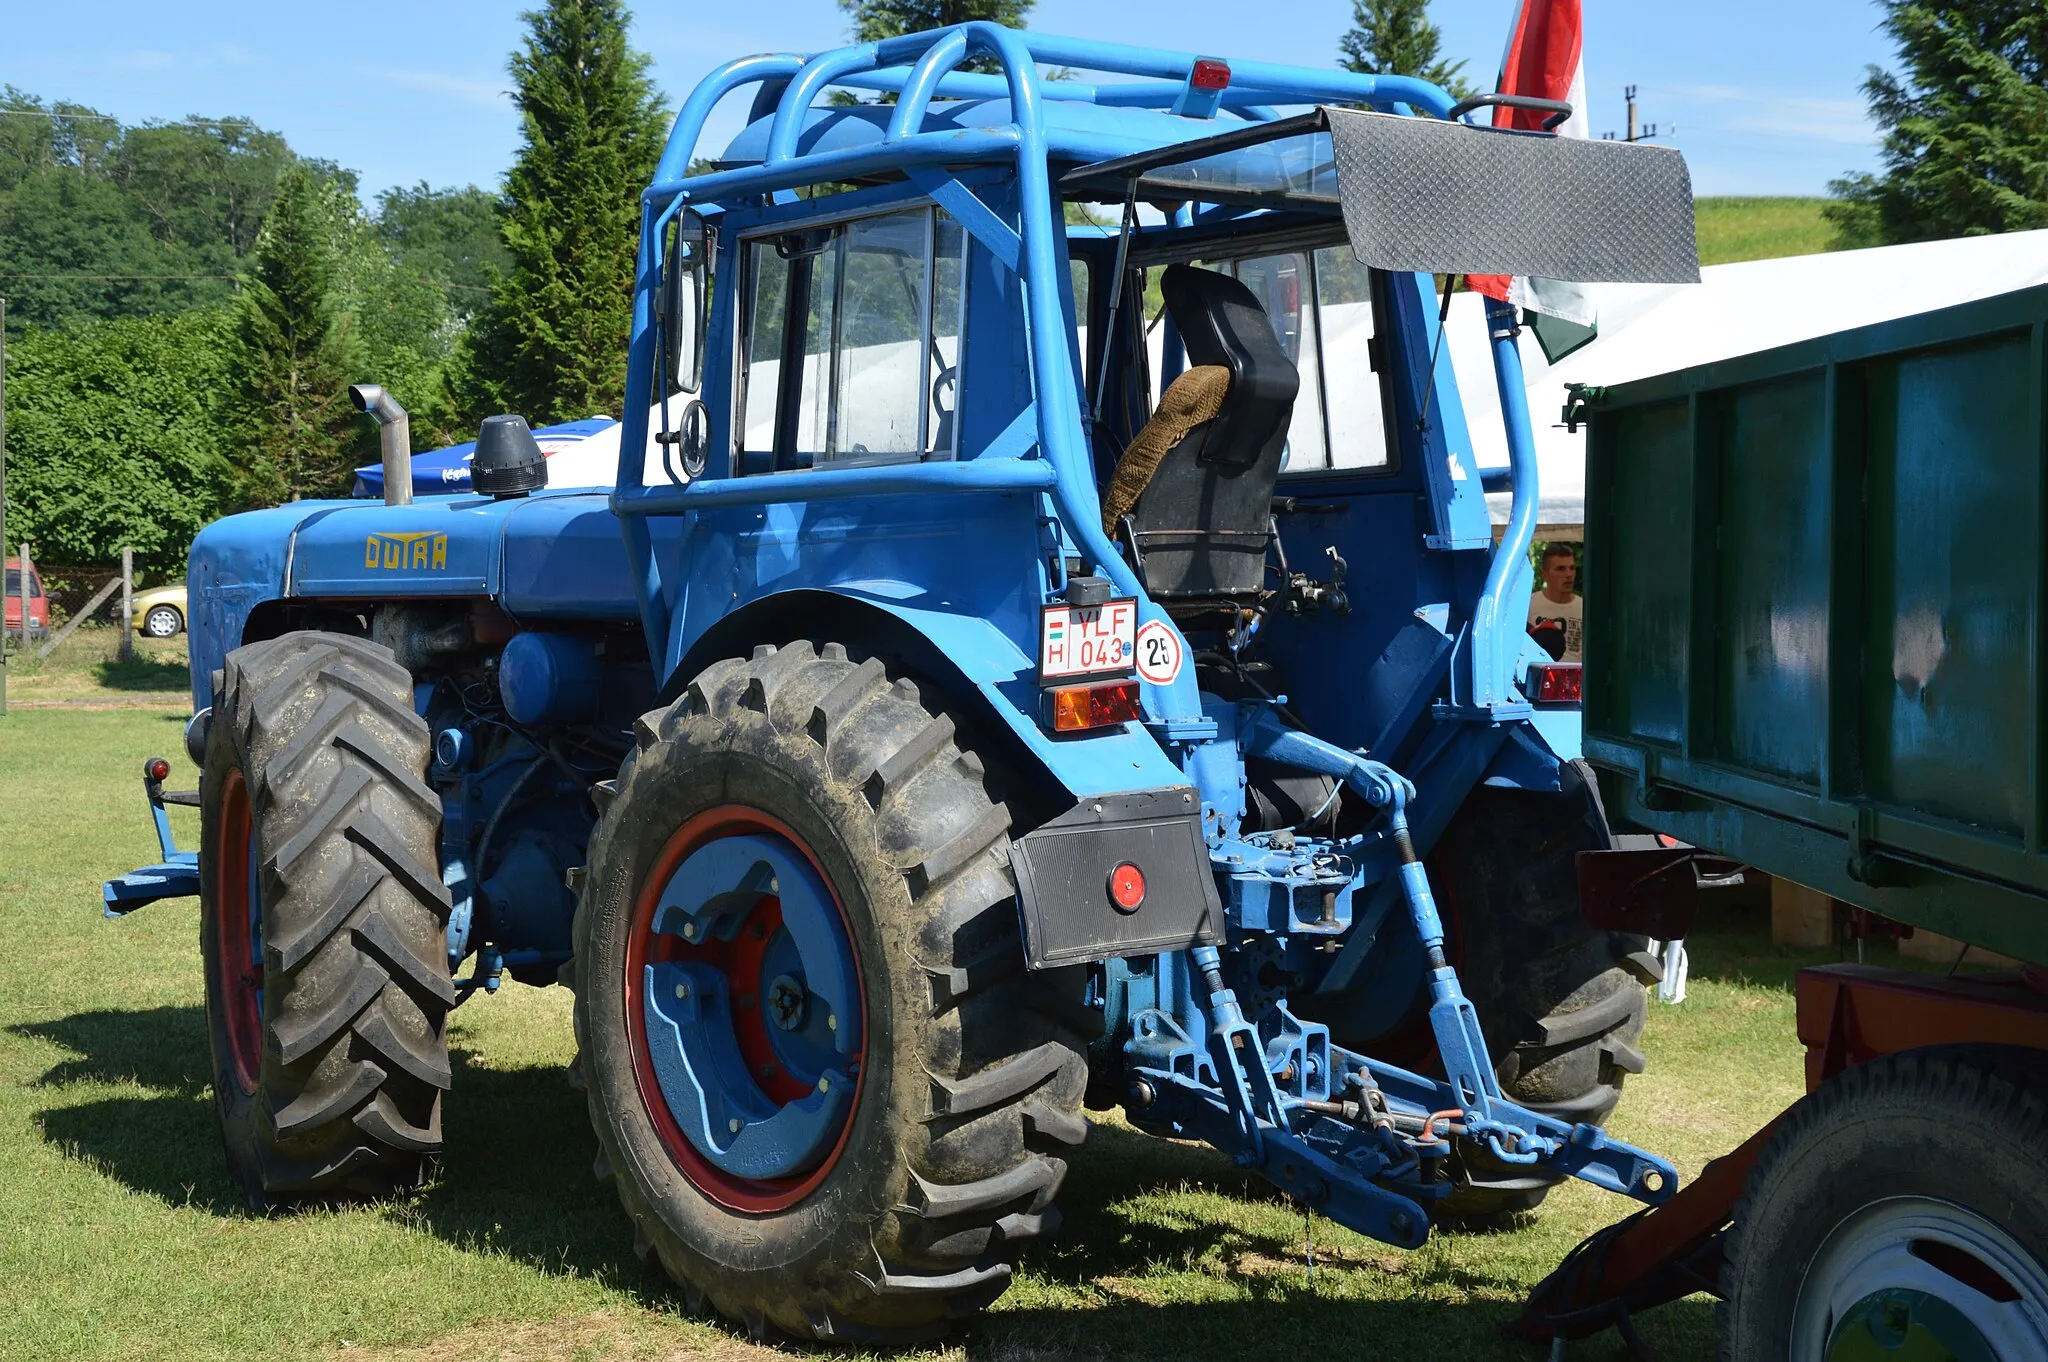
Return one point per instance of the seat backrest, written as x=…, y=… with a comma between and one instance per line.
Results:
x=1202, y=522
x=1221, y=322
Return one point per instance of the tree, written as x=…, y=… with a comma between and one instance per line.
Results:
x=1396, y=38
x=101, y=220
x=551, y=343
x=450, y=236
x=874, y=20
x=1965, y=126
x=294, y=356
x=114, y=437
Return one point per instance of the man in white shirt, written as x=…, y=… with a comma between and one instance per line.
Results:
x=1557, y=617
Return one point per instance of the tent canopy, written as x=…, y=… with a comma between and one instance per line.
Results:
x=1736, y=309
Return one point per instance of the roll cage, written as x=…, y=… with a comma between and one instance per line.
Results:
x=1036, y=138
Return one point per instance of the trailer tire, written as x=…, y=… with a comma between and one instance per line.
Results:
x=1898, y=1198
x=322, y=922
x=951, y=1146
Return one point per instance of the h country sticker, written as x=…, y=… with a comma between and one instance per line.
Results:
x=1159, y=653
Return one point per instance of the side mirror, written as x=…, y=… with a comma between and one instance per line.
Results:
x=685, y=293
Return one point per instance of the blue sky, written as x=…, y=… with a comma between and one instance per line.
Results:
x=1765, y=94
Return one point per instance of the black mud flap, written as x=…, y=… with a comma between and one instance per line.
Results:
x=1065, y=870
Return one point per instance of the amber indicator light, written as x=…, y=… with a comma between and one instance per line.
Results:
x=1076, y=709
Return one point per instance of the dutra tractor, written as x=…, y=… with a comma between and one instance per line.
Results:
x=1047, y=648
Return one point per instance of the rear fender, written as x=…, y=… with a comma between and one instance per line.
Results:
x=986, y=678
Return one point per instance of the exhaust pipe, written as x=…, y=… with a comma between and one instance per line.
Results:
x=394, y=433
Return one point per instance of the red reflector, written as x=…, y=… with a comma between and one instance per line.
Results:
x=1127, y=887
x=157, y=769
x=1209, y=74
x=1076, y=708
x=1557, y=683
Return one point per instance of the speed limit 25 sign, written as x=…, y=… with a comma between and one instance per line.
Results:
x=1159, y=653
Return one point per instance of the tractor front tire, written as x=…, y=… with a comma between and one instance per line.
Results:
x=322, y=922
x=969, y=1072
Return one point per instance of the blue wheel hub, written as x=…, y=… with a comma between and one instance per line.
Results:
x=751, y=1010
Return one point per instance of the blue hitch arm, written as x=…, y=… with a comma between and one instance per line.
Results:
x=174, y=877
x=1513, y=1133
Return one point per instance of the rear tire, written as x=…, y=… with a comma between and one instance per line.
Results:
x=970, y=1077
x=1897, y=1208
x=322, y=922
x=162, y=621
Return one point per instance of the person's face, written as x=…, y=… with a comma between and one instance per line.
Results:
x=1560, y=574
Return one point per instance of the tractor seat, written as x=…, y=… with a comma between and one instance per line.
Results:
x=1192, y=498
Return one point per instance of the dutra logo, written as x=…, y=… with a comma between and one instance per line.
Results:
x=422, y=550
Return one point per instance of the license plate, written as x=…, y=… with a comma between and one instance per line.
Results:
x=1077, y=641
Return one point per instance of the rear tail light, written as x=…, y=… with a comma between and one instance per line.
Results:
x=1209, y=74
x=1076, y=709
x=1556, y=683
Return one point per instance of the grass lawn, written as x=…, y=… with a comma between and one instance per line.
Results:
x=122, y=1237
x=1732, y=229
x=86, y=672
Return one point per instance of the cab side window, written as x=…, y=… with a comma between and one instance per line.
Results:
x=850, y=341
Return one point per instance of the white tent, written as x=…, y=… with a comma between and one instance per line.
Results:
x=1733, y=310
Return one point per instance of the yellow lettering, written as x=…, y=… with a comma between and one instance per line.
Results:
x=370, y=552
x=440, y=551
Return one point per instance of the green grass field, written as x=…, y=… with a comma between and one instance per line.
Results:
x=1732, y=229
x=122, y=1237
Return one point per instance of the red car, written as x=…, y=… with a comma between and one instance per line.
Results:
x=38, y=603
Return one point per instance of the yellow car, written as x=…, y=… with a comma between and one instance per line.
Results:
x=160, y=611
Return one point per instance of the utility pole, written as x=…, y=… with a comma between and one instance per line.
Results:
x=1637, y=132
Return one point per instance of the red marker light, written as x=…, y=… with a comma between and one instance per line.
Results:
x=1209, y=74
x=1127, y=887
x=156, y=769
x=1557, y=683
x=1076, y=709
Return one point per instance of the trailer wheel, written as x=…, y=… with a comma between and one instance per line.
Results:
x=833, y=1101
x=322, y=922
x=1896, y=1211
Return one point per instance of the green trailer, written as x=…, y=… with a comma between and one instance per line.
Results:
x=1816, y=643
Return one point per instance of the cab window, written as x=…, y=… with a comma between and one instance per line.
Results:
x=1320, y=305
x=850, y=340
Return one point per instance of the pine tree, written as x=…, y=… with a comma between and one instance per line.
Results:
x=551, y=344
x=874, y=20
x=1396, y=38
x=1965, y=126
x=294, y=352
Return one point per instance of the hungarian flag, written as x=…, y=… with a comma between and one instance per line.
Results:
x=1544, y=58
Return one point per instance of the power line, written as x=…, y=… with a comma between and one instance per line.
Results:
x=109, y=118
x=228, y=278
x=105, y=278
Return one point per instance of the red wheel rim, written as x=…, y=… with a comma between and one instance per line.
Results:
x=237, y=926
x=644, y=946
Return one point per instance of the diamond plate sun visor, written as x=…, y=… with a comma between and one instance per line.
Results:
x=1452, y=198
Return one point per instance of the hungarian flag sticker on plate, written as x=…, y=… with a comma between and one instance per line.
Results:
x=1085, y=641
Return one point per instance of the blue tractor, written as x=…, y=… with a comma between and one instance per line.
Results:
x=1089, y=680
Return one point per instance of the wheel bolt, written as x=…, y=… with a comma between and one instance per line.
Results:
x=831, y=1021
x=682, y=990
x=825, y=1084
x=734, y=1125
